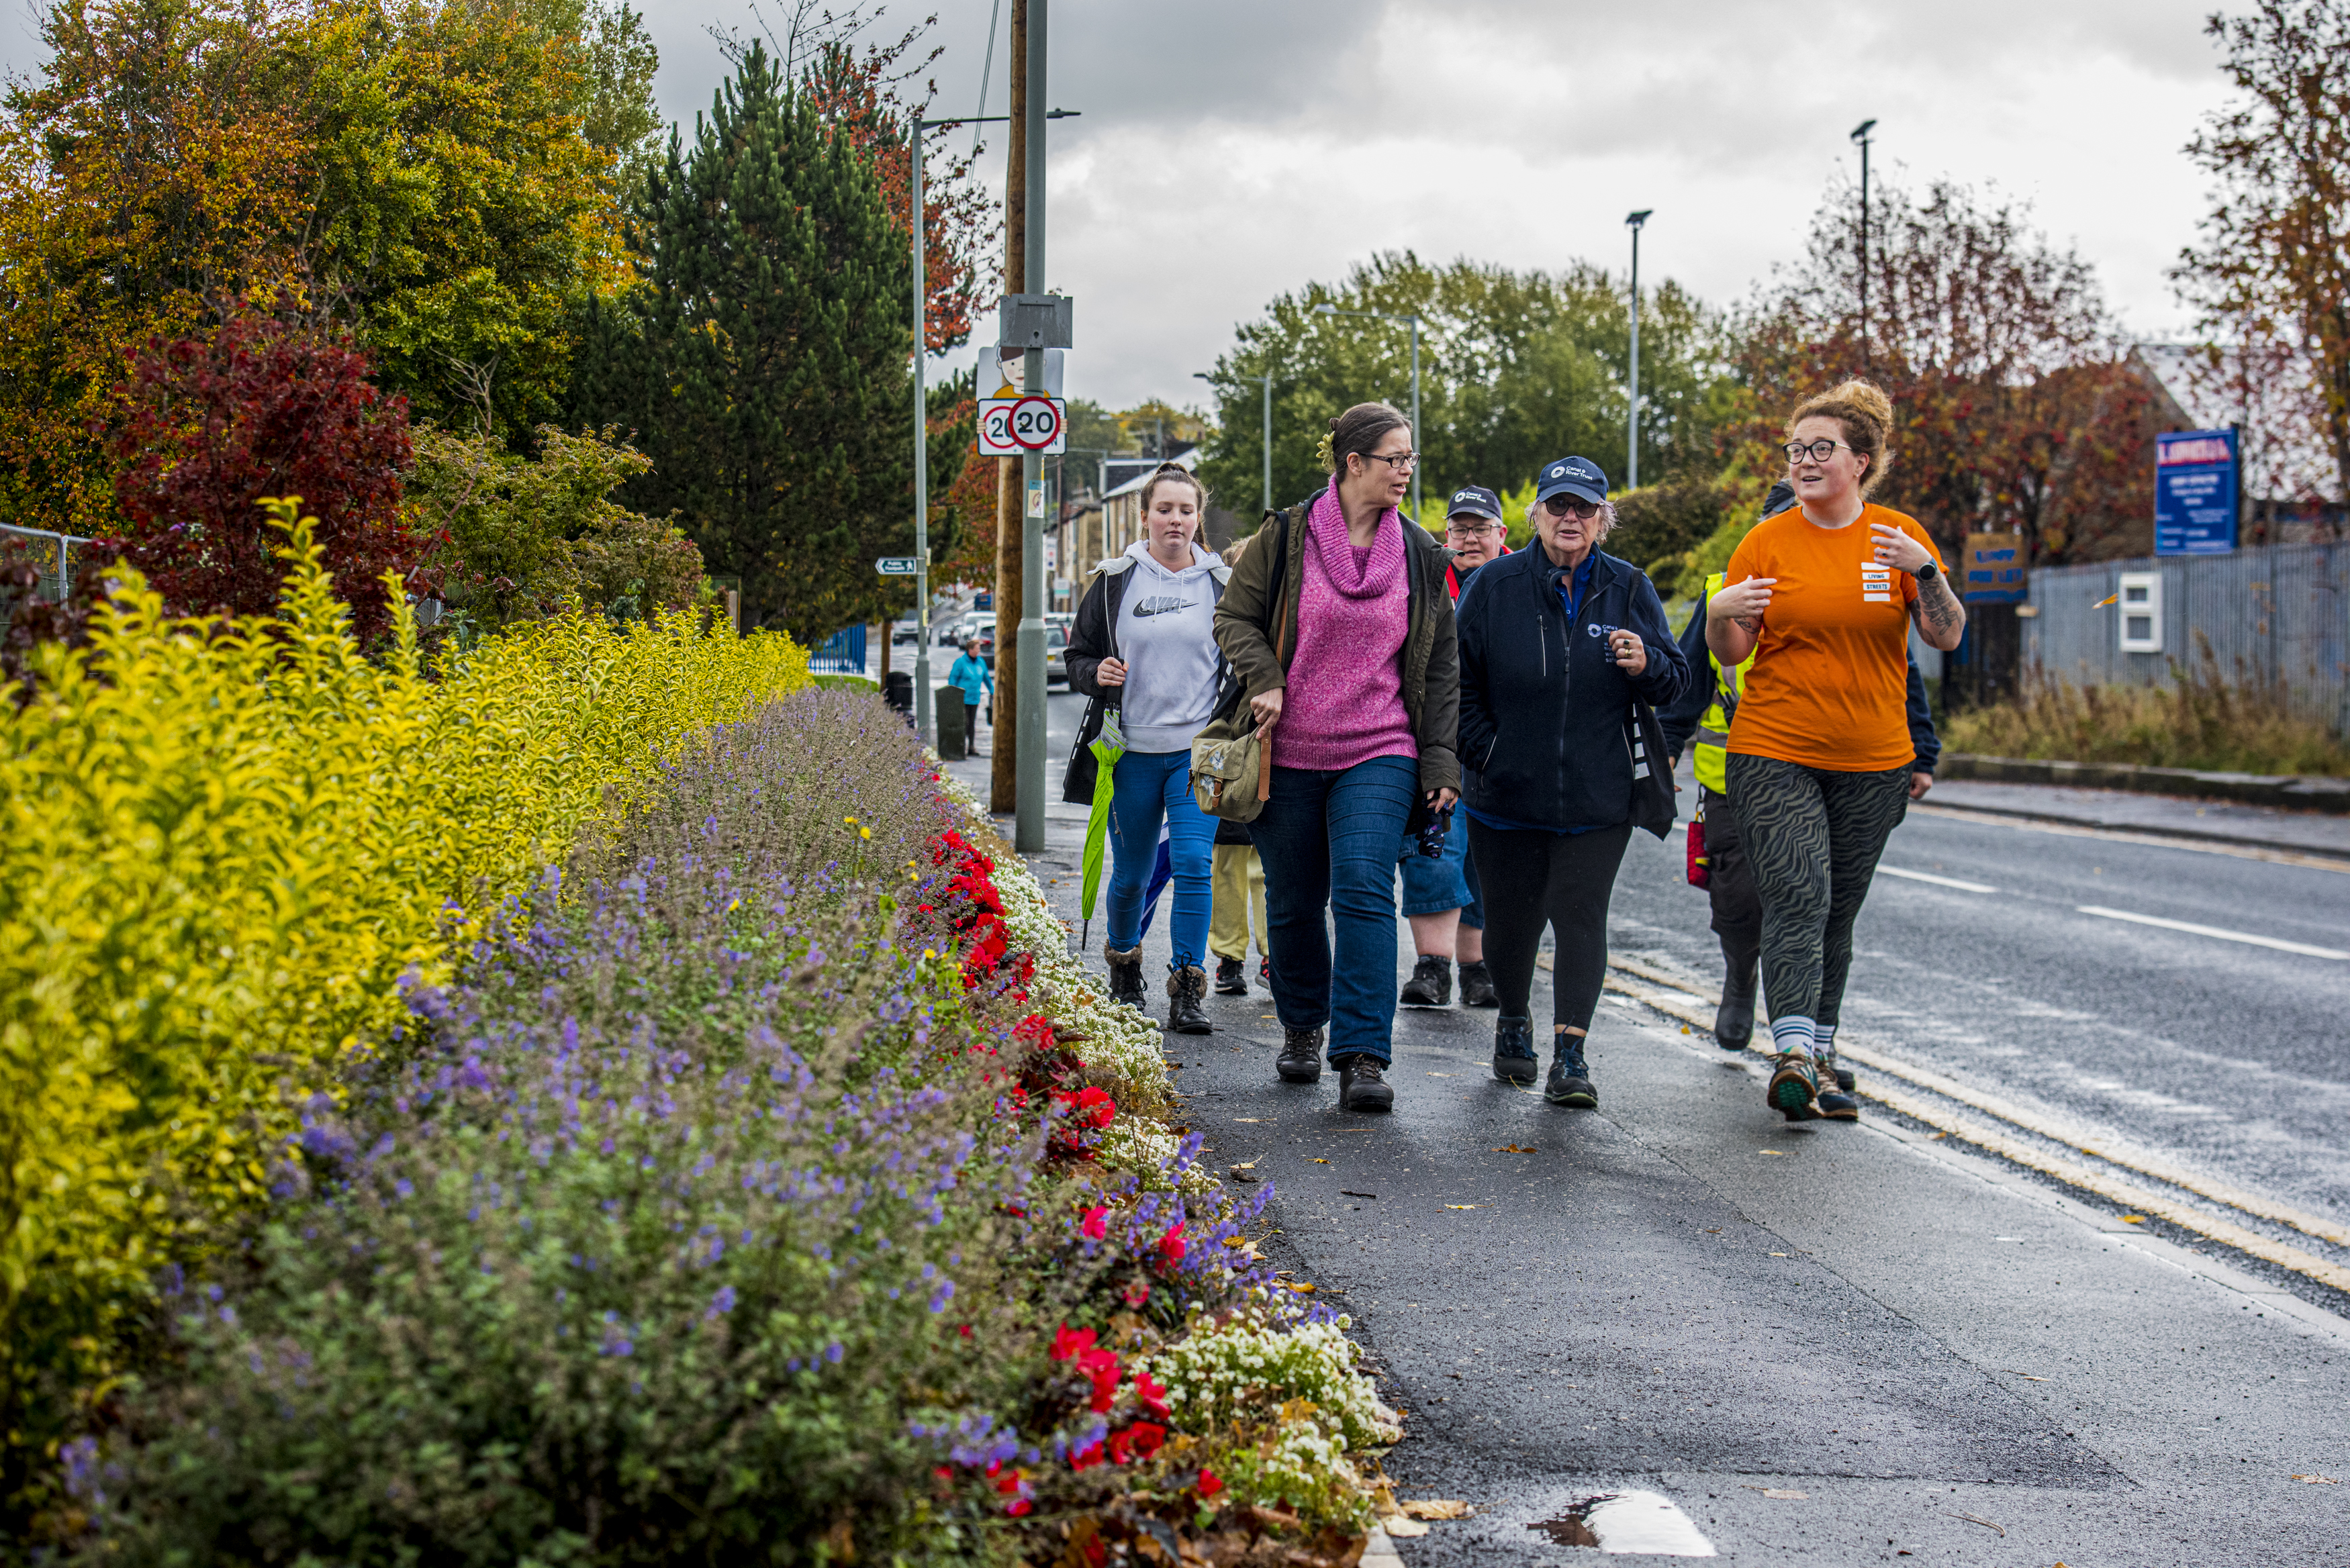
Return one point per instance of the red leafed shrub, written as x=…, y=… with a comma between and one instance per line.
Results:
x=263, y=407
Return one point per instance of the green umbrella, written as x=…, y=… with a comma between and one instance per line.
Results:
x=1107, y=747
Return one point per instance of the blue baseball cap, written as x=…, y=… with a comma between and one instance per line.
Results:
x=1576, y=476
x=1475, y=500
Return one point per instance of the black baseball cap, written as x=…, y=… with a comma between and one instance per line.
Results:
x=1782, y=496
x=1475, y=500
x=1576, y=476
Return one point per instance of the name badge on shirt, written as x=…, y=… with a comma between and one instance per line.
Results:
x=1876, y=583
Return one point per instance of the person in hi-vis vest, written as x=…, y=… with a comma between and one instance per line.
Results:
x=1702, y=715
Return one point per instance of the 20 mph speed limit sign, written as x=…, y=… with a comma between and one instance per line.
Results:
x=1008, y=427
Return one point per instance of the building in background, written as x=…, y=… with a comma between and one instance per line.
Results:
x=2291, y=489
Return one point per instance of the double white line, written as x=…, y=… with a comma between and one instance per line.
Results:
x=2110, y=1179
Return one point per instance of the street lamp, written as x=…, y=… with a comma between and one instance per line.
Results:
x=1327, y=309
x=1635, y=222
x=1265, y=382
x=1860, y=134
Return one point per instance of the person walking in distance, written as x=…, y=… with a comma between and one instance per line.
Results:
x=1144, y=643
x=1441, y=896
x=1821, y=598
x=1341, y=630
x=1557, y=643
x=1237, y=890
x=971, y=676
x=1702, y=715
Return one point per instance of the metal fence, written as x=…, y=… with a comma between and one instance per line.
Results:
x=51, y=555
x=2272, y=614
x=842, y=653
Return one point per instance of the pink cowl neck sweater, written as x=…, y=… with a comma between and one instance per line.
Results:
x=1343, y=703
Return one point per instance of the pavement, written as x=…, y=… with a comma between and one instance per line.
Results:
x=1899, y=1340
x=2224, y=822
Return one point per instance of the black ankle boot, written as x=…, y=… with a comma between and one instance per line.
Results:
x=1124, y=975
x=1363, y=1084
x=1232, y=977
x=1300, y=1061
x=1431, y=984
x=1733, y=1021
x=1570, y=1077
x=1477, y=986
x=1514, y=1061
x=1186, y=989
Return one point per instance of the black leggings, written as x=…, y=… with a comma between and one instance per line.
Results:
x=1812, y=837
x=1564, y=880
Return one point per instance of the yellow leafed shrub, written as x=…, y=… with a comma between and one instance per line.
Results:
x=222, y=853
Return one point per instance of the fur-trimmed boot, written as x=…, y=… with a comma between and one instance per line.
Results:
x=1125, y=974
x=1187, y=988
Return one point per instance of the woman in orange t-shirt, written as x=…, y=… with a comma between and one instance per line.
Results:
x=1822, y=596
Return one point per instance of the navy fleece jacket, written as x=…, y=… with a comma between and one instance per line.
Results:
x=1542, y=708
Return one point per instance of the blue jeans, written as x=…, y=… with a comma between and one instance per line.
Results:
x=1447, y=881
x=1328, y=841
x=1147, y=788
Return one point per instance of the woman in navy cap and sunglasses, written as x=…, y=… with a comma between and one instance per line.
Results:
x=1557, y=643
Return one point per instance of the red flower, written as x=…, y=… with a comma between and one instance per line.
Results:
x=1171, y=1245
x=1208, y=1483
x=1086, y=1107
x=1152, y=1393
x=1086, y=1457
x=1096, y=1554
x=1137, y=1293
x=1138, y=1441
x=1096, y=1222
x=1018, y=1506
x=1036, y=1030
x=1070, y=1342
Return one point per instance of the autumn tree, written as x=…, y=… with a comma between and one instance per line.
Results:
x=2272, y=273
x=263, y=406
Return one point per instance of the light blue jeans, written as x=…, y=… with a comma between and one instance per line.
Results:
x=1147, y=788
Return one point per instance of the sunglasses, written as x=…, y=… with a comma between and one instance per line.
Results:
x=1560, y=505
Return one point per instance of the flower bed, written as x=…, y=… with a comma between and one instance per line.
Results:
x=772, y=1180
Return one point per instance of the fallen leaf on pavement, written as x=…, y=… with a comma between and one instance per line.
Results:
x=1344, y=1193
x=1303, y=1290
x=1404, y=1529
x=1248, y=1118
x=1317, y=1158
x=2318, y=1479
x=1463, y=1206
x=2027, y=1376
x=1780, y=1493
x=1435, y=1508
x=2132, y=1218
x=1986, y=1523
x=1774, y=1254
x=1931, y=1136
x=1515, y=1148
x=1776, y=1151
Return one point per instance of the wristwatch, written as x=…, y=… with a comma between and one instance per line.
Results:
x=1928, y=572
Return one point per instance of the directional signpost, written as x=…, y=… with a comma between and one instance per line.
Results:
x=897, y=566
x=1015, y=427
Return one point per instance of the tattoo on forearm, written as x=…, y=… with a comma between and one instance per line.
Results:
x=1939, y=605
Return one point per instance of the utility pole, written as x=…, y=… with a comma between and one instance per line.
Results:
x=1632, y=428
x=1028, y=836
x=1860, y=134
x=1004, y=750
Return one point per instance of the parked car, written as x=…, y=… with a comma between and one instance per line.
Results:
x=1057, y=651
x=904, y=634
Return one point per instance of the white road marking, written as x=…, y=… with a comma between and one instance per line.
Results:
x=1937, y=881
x=1645, y=1522
x=2279, y=943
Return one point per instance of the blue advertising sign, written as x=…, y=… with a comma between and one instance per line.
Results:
x=2195, y=492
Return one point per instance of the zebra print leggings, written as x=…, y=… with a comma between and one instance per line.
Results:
x=1811, y=838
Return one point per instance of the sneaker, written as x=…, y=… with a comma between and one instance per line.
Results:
x=1514, y=1061
x=1300, y=1061
x=1835, y=1099
x=1264, y=973
x=1570, y=1077
x=1232, y=977
x=1477, y=986
x=1795, y=1081
x=1431, y=984
x=1363, y=1084
x=1186, y=989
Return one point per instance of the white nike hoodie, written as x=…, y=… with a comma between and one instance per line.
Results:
x=1166, y=635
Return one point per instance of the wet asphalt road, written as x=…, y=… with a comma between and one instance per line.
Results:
x=1682, y=1292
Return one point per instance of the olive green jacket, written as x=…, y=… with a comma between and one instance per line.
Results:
x=1432, y=650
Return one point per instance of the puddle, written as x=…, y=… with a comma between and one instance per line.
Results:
x=1627, y=1521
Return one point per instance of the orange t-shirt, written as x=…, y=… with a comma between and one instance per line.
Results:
x=1830, y=684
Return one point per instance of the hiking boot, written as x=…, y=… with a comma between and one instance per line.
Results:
x=1300, y=1061
x=1186, y=989
x=1431, y=984
x=1363, y=1084
x=1570, y=1077
x=1514, y=1061
x=1124, y=975
x=1795, y=1081
x=1477, y=986
x=1231, y=977
x=1733, y=1021
x=1835, y=1099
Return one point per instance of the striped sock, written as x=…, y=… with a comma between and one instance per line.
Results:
x=1792, y=1036
x=1823, y=1039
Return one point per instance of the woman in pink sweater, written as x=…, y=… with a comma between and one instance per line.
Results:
x=1340, y=628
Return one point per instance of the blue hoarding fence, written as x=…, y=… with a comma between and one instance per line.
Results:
x=842, y=653
x=2195, y=492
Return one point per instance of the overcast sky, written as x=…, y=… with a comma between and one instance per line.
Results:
x=1233, y=150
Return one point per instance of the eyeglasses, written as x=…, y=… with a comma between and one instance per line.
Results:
x=1560, y=505
x=1819, y=450
x=1401, y=461
x=1470, y=530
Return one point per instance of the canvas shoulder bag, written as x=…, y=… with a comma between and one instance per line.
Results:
x=1231, y=763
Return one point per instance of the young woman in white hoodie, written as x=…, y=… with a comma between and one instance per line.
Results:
x=1144, y=643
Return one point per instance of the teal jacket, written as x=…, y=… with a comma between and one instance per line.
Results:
x=974, y=678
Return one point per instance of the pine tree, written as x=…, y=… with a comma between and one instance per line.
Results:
x=764, y=359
